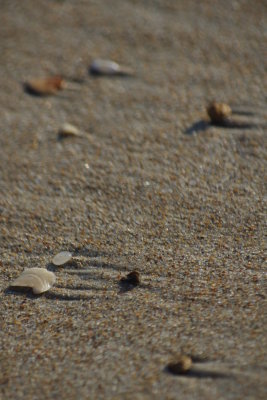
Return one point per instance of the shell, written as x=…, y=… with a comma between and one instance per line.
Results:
x=218, y=112
x=62, y=258
x=45, y=86
x=181, y=366
x=133, y=278
x=39, y=279
x=107, y=67
x=68, y=130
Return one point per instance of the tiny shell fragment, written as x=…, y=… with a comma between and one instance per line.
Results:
x=68, y=130
x=107, y=67
x=219, y=112
x=45, y=86
x=39, y=279
x=62, y=258
x=180, y=366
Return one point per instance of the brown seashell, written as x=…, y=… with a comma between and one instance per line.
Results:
x=39, y=279
x=219, y=112
x=107, y=67
x=181, y=366
x=45, y=86
x=133, y=278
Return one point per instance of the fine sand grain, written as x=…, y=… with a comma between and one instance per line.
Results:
x=150, y=187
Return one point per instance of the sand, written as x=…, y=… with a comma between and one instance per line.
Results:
x=150, y=187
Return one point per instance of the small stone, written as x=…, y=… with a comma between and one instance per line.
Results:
x=68, y=130
x=107, y=67
x=181, y=366
x=62, y=258
x=45, y=86
x=219, y=112
x=133, y=278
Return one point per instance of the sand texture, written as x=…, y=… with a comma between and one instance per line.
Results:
x=149, y=185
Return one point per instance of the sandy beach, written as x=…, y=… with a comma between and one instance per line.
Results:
x=150, y=185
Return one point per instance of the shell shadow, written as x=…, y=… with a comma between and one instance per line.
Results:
x=27, y=89
x=87, y=252
x=125, y=287
x=232, y=124
x=105, y=265
x=200, y=374
x=202, y=125
x=243, y=112
x=68, y=265
x=65, y=297
x=21, y=292
x=207, y=374
x=196, y=127
x=199, y=359
x=82, y=288
x=118, y=75
x=51, y=267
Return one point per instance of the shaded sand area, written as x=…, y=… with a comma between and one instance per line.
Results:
x=151, y=187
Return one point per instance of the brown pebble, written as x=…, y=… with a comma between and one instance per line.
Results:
x=219, y=112
x=133, y=278
x=181, y=366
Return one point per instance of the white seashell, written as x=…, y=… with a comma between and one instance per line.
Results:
x=62, y=258
x=107, y=67
x=67, y=130
x=39, y=279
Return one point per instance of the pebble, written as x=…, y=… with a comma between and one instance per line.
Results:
x=39, y=279
x=219, y=112
x=62, y=258
x=45, y=86
x=107, y=67
x=133, y=278
x=181, y=366
x=68, y=130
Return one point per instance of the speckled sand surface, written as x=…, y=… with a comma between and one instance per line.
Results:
x=140, y=191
